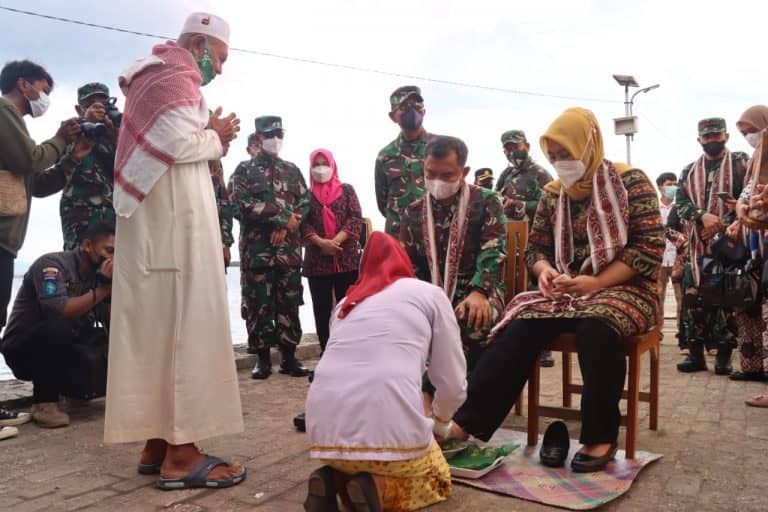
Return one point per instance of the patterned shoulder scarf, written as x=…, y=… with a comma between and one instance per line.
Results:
x=607, y=223
x=607, y=228
x=458, y=234
x=696, y=188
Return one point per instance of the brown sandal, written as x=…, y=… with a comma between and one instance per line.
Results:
x=757, y=401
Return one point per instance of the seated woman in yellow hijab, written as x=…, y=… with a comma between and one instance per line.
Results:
x=595, y=246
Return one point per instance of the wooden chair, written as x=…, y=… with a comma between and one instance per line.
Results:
x=636, y=347
x=517, y=281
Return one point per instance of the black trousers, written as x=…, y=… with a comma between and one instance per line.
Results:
x=6, y=283
x=43, y=355
x=323, y=289
x=500, y=374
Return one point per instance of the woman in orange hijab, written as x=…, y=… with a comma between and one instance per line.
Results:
x=595, y=246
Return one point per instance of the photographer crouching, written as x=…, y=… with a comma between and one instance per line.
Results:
x=57, y=333
x=87, y=195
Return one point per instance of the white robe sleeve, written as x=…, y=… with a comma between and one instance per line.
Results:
x=447, y=367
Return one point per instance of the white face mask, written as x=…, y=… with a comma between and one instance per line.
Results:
x=442, y=189
x=322, y=173
x=39, y=106
x=569, y=171
x=753, y=138
x=272, y=146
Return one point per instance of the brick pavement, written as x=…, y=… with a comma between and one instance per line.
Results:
x=714, y=449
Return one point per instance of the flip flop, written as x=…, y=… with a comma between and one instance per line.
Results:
x=198, y=477
x=150, y=469
x=757, y=401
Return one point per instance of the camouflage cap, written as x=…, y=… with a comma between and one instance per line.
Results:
x=403, y=93
x=266, y=124
x=484, y=173
x=252, y=139
x=712, y=125
x=91, y=89
x=513, y=137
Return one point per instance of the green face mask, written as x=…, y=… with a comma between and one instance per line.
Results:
x=517, y=157
x=206, y=65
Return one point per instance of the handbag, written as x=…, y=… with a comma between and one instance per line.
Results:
x=13, y=194
x=729, y=250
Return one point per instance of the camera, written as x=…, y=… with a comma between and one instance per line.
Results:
x=113, y=113
x=93, y=131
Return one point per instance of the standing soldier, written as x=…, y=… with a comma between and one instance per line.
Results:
x=400, y=165
x=520, y=186
x=705, y=197
x=87, y=195
x=224, y=207
x=270, y=198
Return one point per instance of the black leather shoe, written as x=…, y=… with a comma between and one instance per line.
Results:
x=555, y=445
x=587, y=464
x=362, y=493
x=546, y=360
x=300, y=422
x=263, y=369
x=321, y=491
x=293, y=368
x=694, y=361
x=751, y=376
x=723, y=362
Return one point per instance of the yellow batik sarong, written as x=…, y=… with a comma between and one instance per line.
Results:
x=409, y=484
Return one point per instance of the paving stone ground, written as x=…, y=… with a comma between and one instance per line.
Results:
x=715, y=451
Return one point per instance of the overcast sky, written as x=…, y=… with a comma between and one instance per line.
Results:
x=706, y=56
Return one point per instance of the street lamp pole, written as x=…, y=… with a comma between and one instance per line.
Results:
x=627, y=125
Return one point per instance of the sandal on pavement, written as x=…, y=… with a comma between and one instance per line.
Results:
x=757, y=401
x=198, y=477
x=150, y=469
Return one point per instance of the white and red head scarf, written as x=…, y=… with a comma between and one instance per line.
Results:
x=163, y=110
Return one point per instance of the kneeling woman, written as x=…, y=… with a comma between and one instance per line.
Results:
x=595, y=247
x=365, y=417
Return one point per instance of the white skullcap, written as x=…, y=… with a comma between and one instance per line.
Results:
x=207, y=24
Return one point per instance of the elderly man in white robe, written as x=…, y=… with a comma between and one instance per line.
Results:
x=172, y=378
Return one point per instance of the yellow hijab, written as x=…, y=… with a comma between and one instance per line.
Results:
x=576, y=130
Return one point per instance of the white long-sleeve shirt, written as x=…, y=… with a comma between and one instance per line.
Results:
x=366, y=402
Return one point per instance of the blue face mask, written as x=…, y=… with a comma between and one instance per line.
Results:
x=670, y=191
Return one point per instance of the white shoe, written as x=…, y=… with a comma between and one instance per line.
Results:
x=13, y=418
x=8, y=432
x=48, y=415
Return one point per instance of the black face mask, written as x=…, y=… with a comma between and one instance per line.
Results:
x=411, y=119
x=713, y=148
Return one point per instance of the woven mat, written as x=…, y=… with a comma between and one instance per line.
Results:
x=522, y=476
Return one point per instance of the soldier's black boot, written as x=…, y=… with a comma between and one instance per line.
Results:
x=292, y=366
x=263, y=368
x=723, y=361
x=694, y=361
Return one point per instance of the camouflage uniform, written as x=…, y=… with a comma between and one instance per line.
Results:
x=522, y=183
x=223, y=204
x=87, y=196
x=399, y=171
x=701, y=324
x=266, y=192
x=482, y=260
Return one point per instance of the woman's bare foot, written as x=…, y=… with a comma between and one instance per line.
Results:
x=456, y=432
x=183, y=458
x=596, y=450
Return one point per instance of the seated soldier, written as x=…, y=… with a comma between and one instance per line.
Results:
x=456, y=238
x=53, y=321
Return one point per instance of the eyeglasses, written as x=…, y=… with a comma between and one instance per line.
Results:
x=407, y=105
x=272, y=134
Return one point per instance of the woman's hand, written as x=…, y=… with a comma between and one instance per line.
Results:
x=733, y=229
x=577, y=286
x=546, y=278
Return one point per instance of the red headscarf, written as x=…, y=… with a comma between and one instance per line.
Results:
x=384, y=262
x=326, y=193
